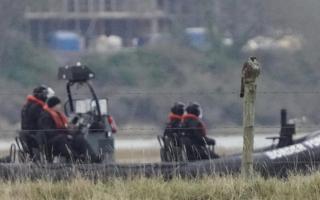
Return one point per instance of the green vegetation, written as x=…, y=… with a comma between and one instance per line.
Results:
x=211, y=78
x=170, y=69
x=26, y=64
x=226, y=188
x=167, y=73
x=128, y=68
x=20, y=61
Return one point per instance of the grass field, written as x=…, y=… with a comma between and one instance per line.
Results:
x=295, y=187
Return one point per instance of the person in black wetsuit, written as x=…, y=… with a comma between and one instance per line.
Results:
x=173, y=126
x=195, y=136
x=172, y=132
x=30, y=115
x=60, y=140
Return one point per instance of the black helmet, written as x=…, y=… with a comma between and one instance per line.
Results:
x=43, y=92
x=178, y=108
x=53, y=101
x=194, y=108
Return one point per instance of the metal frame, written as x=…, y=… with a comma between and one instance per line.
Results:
x=94, y=95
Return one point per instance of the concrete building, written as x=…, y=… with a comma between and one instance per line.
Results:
x=127, y=19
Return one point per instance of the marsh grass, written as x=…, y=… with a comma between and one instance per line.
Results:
x=295, y=187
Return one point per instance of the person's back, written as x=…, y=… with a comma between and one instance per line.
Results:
x=173, y=127
x=60, y=140
x=172, y=134
x=50, y=125
x=53, y=130
x=30, y=115
x=193, y=129
x=195, y=136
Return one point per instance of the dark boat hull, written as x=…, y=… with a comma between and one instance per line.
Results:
x=301, y=157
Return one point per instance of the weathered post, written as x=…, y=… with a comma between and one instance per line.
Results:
x=250, y=72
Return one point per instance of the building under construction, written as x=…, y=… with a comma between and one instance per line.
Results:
x=127, y=19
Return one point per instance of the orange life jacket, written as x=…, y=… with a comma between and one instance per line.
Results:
x=59, y=119
x=174, y=117
x=35, y=100
x=203, y=131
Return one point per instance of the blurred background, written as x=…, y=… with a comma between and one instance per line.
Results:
x=147, y=54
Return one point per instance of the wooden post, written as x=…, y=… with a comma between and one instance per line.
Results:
x=250, y=72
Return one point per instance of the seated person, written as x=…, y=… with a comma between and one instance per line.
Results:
x=173, y=127
x=195, y=138
x=30, y=115
x=59, y=139
x=172, y=133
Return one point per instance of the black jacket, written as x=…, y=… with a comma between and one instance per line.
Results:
x=30, y=114
x=64, y=141
x=195, y=130
x=47, y=126
x=173, y=127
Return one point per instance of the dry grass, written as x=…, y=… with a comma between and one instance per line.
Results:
x=144, y=155
x=295, y=187
x=153, y=154
x=137, y=155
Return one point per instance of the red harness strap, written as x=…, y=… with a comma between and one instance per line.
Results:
x=174, y=117
x=35, y=100
x=194, y=117
x=59, y=119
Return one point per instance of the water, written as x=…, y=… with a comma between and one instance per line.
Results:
x=151, y=142
x=232, y=141
x=5, y=145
